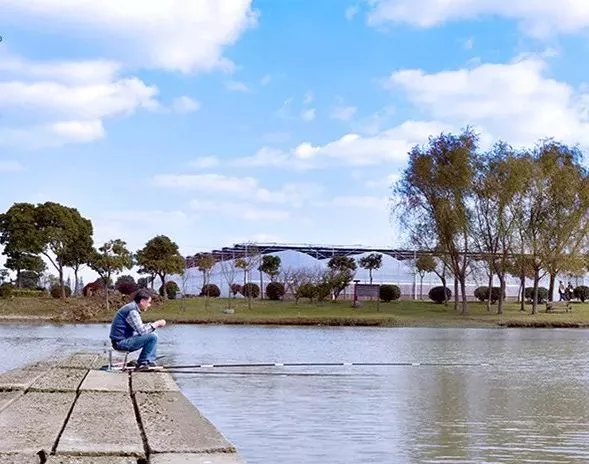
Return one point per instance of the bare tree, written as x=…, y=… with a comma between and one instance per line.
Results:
x=229, y=271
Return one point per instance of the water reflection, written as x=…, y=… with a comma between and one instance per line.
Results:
x=529, y=405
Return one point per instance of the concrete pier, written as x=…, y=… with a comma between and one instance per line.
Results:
x=69, y=411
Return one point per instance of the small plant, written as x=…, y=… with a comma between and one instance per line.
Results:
x=275, y=290
x=210, y=290
x=306, y=291
x=482, y=294
x=56, y=291
x=250, y=290
x=437, y=294
x=6, y=290
x=542, y=294
x=389, y=293
x=581, y=293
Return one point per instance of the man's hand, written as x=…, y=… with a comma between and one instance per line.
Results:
x=159, y=324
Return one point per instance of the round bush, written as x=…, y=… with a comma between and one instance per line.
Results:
x=126, y=287
x=172, y=289
x=482, y=294
x=275, y=290
x=542, y=294
x=581, y=293
x=235, y=289
x=437, y=294
x=56, y=291
x=323, y=291
x=250, y=290
x=389, y=293
x=306, y=291
x=6, y=290
x=210, y=290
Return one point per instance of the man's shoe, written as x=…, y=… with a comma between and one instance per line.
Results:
x=150, y=366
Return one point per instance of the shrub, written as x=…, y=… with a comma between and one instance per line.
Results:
x=275, y=290
x=126, y=287
x=482, y=294
x=389, y=293
x=542, y=294
x=210, y=290
x=235, y=289
x=581, y=293
x=437, y=294
x=323, y=291
x=250, y=290
x=56, y=291
x=306, y=291
x=6, y=290
x=172, y=289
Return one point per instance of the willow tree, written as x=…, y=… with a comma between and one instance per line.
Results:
x=500, y=181
x=434, y=194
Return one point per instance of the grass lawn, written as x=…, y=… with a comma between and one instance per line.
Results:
x=399, y=313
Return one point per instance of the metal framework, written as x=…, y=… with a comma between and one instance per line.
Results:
x=242, y=250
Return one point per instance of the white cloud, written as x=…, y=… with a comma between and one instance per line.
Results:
x=204, y=162
x=54, y=102
x=383, y=181
x=206, y=182
x=388, y=146
x=185, y=105
x=308, y=115
x=309, y=97
x=266, y=79
x=351, y=11
x=239, y=210
x=10, y=166
x=343, y=113
x=516, y=101
x=236, y=86
x=366, y=201
x=174, y=35
x=538, y=18
x=272, y=157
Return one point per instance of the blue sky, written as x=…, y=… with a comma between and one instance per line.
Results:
x=275, y=121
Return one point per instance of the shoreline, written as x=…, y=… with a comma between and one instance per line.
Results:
x=322, y=322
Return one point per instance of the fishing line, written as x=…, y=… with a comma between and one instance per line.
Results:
x=324, y=364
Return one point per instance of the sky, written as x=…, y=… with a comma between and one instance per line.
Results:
x=226, y=121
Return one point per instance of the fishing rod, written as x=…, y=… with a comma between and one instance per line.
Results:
x=322, y=364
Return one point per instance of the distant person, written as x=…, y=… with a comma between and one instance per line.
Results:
x=562, y=291
x=570, y=292
x=129, y=333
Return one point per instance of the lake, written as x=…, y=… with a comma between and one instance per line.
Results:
x=530, y=403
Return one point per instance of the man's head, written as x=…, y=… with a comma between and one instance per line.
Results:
x=143, y=299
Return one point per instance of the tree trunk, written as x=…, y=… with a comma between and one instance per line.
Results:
x=421, y=287
x=463, y=291
x=444, y=286
x=522, y=294
x=501, y=293
x=456, y=296
x=551, y=286
x=75, y=290
x=18, y=282
x=535, y=294
x=261, y=285
x=61, y=281
x=489, y=291
x=370, y=275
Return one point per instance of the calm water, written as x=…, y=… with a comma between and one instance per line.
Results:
x=530, y=405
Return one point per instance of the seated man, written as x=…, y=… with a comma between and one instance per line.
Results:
x=129, y=333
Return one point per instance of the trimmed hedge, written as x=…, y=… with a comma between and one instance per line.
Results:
x=275, y=290
x=389, y=293
x=542, y=294
x=581, y=293
x=437, y=294
x=6, y=290
x=56, y=291
x=250, y=290
x=482, y=294
x=210, y=290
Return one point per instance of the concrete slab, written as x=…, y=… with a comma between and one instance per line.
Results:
x=173, y=424
x=59, y=380
x=102, y=423
x=8, y=397
x=153, y=382
x=33, y=421
x=20, y=459
x=90, y=460
x=106, y=381
x=19, y=379
x=202, y=458
x=79, y=361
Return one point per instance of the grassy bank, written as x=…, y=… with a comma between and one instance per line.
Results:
x=400, y=313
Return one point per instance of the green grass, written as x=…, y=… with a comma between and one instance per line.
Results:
x=399, y=313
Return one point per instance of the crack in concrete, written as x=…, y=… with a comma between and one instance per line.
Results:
x=139, y=422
